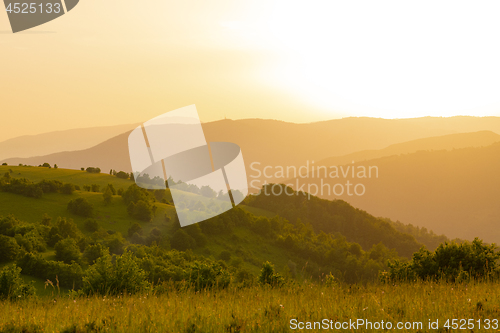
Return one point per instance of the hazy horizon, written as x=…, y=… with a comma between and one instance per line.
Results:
x=63, y=129
x=241, y=60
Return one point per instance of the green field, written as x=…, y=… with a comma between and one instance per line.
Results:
x=76, y=177
x=258, y=309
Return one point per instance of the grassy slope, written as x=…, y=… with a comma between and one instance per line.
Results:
x=76, y=177
x=245, y=244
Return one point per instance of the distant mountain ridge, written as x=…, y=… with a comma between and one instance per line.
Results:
x=453, y=192
x=444, y=142
x=53, y=142
x=278, y=143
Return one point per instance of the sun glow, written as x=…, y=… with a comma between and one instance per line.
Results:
x=391, y=58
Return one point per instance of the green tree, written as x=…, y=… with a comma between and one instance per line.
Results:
x=268, y=276
x=94, y=252
x=182, y=241
x=8, y=248
x=107, y=196
x=67, y=251
x=67, y=228
x=12, y=286
x=68, y=189
x=448, y=261
x=142, y=211
x=115, y=243
x=135, y=228
x=122, y=175
x=81, y=206
x=112, y=189
x=108, y=278
x=91, y=225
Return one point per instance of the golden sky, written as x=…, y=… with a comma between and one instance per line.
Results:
x=108, y=63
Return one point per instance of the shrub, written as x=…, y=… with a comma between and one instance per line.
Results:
x=12, y=285
x=108, y=278
x=122, y=175
x=142, y=211
x=107, y=196
x=67, y=251
x=67, y=228
x=31, y=241
x=81, y=206
x=182, y=241
x=135, y=228
x=8, y=248
x=112, y=189
x=68, y=189
x=208, y=274
x=69, y=276
x=94, y=252
x=450, y=261
x=91, y=225
x=116, y=243
x=268, y=276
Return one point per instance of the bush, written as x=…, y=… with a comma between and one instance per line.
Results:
x=94, y=252
x=122, y=175
x=450, y=261
x=67, y=251
x=68, y=189
x=142, y=211
x=31, y=241
x=69, y=276
x=267, y=276
x=93, y=170
x=116, y=243
x=182, y=241
x=12, y=285
x=135, y=228
x=107, y=196
x=91, y=225
x=208, y=274
x=108, y=278
x=67, y=228
x=8, y=248
x=21, y=186
x=81, y=206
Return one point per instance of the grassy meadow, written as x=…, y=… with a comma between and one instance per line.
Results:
x=257, y=309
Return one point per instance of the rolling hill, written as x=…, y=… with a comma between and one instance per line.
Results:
x=53, y=142
x=452, y=192
x=445, y=142
x=277, y=143
x=254, y=233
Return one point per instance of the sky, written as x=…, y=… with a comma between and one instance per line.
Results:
x=108, y=63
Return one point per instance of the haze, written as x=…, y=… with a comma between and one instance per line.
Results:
x=107, y=63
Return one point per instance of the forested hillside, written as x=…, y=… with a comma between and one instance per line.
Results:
x=72, y=231
x=335, y=216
